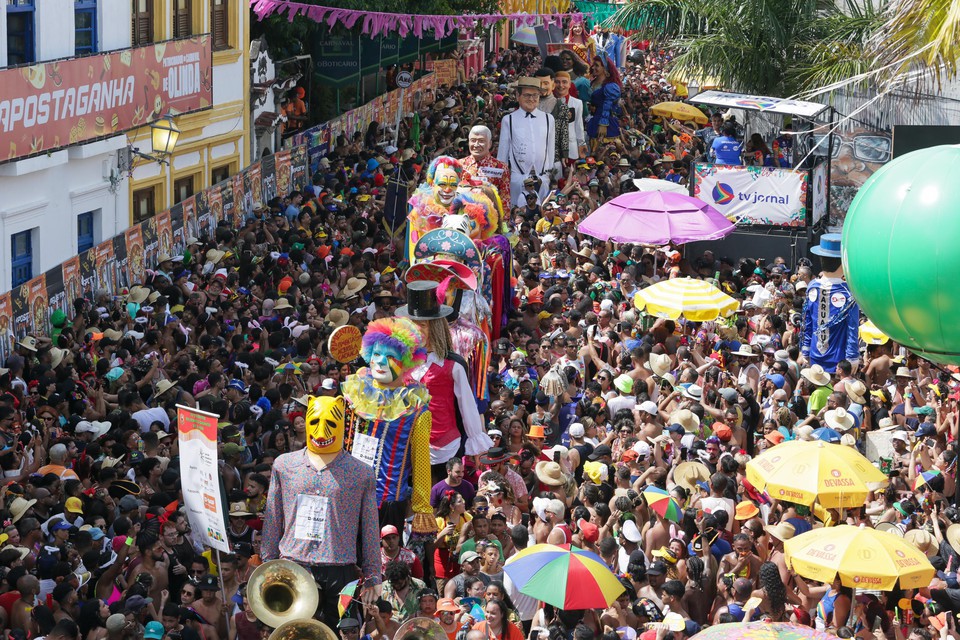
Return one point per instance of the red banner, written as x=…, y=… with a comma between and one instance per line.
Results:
x=51, y=105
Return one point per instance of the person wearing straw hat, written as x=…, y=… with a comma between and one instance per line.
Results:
x=831, y=316
x=817, y=383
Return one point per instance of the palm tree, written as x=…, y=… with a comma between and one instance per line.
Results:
x=766, y=47
x=919, y=43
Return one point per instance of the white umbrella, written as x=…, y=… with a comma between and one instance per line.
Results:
x=653, y=184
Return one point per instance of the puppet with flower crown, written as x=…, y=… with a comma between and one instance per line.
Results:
x=389, y=421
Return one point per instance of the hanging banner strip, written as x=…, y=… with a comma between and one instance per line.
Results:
x=375, y=23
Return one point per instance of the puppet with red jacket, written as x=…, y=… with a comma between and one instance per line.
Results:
x=457, y=427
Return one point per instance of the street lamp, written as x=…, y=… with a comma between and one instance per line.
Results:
x=164, y=134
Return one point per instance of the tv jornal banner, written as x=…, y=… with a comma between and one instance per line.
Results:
x=754, y=195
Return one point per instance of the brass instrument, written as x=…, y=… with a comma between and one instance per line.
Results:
x=281, y=592
x=419, y=629
x=303, y=630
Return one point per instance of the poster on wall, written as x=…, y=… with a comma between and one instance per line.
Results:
x=56, y=294
x=88, y=273
x=819, y=192
x=30, y=307
x=253, y=185
x=6, y=326
x=164, y=230
x=106, y=279
x=226, y=200
x=215, y=202
x=205, y=223
x=136, y=265
x=190, y=228
x=299, y=176
x=240, y=201
x=72, y=282
x=179, y=239
x=268, y=174
x=284, y=179
x=121, y=274
x=754, y=195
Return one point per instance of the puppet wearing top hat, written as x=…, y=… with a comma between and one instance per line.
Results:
x=831, y=317
x=457, y=426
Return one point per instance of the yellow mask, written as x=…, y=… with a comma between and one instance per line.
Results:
x=325, y=420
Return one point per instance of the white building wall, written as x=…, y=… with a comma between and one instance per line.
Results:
x=47, y=193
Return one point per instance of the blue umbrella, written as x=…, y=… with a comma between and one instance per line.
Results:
x=827, y=435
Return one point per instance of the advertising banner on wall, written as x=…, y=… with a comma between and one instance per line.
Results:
x=201, y=476
x=51, y=105
x=754, y=195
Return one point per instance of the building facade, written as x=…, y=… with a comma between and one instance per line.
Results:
x=70, y=196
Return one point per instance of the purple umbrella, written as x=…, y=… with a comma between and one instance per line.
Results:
x=656, y=218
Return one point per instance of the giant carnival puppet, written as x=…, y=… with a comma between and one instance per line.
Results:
x=457, y=428
x=322, y=508
x=831, y=316
x=455, y=241
x=388, y=421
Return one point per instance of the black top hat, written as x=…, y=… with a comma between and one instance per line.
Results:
x=422, y=302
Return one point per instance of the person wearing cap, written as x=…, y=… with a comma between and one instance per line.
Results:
x=391, y=550
x=528, y=140
x=469, y=568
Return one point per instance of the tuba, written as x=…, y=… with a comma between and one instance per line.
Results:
x=419, y=629
x=303, y=630
x=282, y=592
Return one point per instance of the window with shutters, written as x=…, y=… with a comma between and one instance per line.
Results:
x=219, y=14
x=85, y=26
x=142, y=22
x=21, y=40
x=144, y=204
x=21, y=257
x=182, y=18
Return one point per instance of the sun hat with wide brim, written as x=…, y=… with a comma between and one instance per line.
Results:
x=922, y=540
x=746, y=351
x=816, y=375
x=688, y=474
x=550, y=473
x=856, y=391
x=282, y=303
x=352, y=288
x=839, y=419
x=496, y=455
x=337, y=317
x=18, y=507
x=659, y=364
x=782, y=531
x=953, y=536
x=686, y=419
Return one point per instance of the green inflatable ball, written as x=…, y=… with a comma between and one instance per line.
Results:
x=901, y=251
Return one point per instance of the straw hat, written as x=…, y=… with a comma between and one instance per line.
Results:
x=903, y=372
x=659, y=364
x=337, y=317
x=890, y=527
x=19, y=507
x=816, y=375
x=921, y=539
x=550, y=473
x=215, y=255
x=746, y=351
x=857, y=391
x=782, y=531
x=282, y=303
x=839, y=419
x=953, y=536
x=162, y=387
x=805, y=432
x=886, y=424
x=56, y=357
x=352, y=288
x=138, y=294
x=239, y=509
x=688, y=474
x=686, y=419
x=28, y=342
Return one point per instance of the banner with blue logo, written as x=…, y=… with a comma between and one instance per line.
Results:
x=754, y=195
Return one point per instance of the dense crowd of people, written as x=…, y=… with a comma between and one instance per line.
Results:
x=95, y=544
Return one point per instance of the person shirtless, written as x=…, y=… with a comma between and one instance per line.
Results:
x=154, y=563
x=878, y=364
x=742, y=562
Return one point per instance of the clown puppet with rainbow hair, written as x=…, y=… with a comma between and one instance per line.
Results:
x=389, y=421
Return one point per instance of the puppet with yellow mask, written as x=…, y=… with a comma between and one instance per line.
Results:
x=388, y=421
x=324, y=426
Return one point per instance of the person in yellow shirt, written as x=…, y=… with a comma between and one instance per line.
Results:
x=549, y=218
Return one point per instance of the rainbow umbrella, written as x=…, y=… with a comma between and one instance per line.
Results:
x=761, y=631
x=661, y=502
x=564, y=576
x=924, y=478
x=347, y=594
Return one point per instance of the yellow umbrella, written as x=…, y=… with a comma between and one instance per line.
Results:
x=805, y=472
x=863, y=558
x=870, y=334
x=695, y=300
x=680, y=111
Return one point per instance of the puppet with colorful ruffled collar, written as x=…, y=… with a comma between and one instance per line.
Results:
x=389, y=421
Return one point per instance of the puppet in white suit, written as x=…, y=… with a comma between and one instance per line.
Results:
x=577, y=140
x=528, y=142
